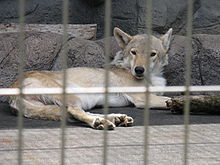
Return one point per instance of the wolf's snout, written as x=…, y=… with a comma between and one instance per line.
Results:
x=139, y=70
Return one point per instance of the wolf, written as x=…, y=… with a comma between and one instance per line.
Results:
x=128, y=69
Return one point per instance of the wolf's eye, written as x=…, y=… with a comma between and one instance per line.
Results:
x=133, y=52
x=153, y=54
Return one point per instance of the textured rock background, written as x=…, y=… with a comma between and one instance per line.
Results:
x=44, y=52
x=205, y=60
x=41, y=51
x=129, y=15
x=84, y=53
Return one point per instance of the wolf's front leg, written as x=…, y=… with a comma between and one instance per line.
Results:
x=158, y=102
x=154, y=101
x=94, y=121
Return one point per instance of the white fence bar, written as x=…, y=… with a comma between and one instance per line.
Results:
x=100, y=90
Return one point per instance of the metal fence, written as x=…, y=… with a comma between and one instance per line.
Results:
x=106, y=90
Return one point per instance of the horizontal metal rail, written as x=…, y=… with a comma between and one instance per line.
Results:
x=99, y=90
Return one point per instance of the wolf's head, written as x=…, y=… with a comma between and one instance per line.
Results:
x=135, y=51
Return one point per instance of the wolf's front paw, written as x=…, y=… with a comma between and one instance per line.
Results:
x=165, y=100
x=101, y=123
x=123, y=121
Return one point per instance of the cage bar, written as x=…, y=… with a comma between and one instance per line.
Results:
x=188, y=63
x=147, y=93
x=107, y=48
x=64, y=65
x=21, y=54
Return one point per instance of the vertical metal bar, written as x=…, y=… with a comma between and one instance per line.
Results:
x=188, y=63
x=21, y=56
x=64, y=64
x=108, y=4
x=147, y=94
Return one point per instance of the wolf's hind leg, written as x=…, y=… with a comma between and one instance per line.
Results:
x=95, y=121
x=37, y=111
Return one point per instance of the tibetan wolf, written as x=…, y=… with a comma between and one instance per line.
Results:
x=128, y=69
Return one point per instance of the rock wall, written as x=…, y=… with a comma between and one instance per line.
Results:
x=205, y=60
x=129, y=15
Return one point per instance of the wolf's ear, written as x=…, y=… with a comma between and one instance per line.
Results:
x=121, y=37
x=166, y=38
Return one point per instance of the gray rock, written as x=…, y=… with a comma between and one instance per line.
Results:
x=36, y=11
x=165, y=15
x=114, y=46
x=80, y=52
x=205, y=61
x=175, y=70
x=86, y=53
x=41, y=50
x=129, y=15
x=209, y=58
x=207, y=18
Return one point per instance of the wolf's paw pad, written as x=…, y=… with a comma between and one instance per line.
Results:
x=100, y=124
x=124, y=121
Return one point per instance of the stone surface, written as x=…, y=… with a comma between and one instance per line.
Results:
x=82, y=53
x=86, y=53
x=207, y=18
x=174, y=71
x=209, y=54
x=129, y=15
x=205, y=61
x=165, y=15
x=41, y=50
x=87, y=31
x=36, y=11
x=125, y=145
x=114, y=46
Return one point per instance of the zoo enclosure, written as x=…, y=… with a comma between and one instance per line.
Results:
x=106, y=90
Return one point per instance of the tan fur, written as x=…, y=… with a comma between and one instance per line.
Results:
x=121, y=74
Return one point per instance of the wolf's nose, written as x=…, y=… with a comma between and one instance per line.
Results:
x=139, y=70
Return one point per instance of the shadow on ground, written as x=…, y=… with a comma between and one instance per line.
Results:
x=157, y=117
